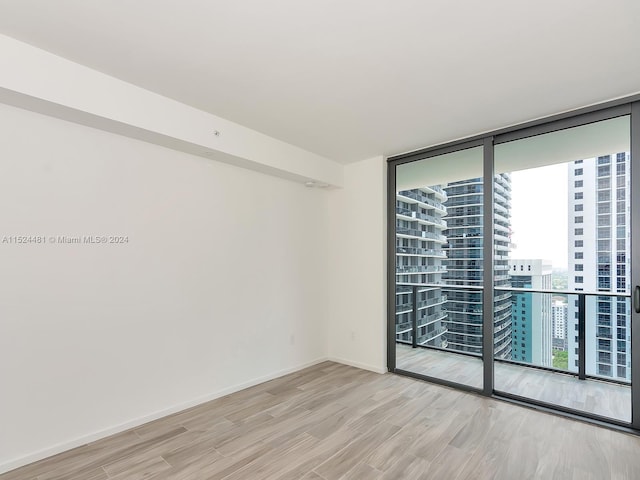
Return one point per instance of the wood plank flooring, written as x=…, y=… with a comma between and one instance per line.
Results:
x=592, y=396
x=332, y=421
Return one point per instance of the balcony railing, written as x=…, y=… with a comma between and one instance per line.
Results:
x=408, y=306
x=431, y=252
x=420, y=233
x=420, y=268
x=421, y=216
x=440, y=190
x=421, y=197
x=601, y=349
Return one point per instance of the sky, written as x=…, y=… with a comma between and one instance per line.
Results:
x=539, y=214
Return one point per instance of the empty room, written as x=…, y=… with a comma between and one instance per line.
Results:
x=319, y=240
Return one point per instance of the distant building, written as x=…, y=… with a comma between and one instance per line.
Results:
x=599, y=261
x=559, y=324
x=464, y=247
x=420, y=263
x=531, y=312
x=439, y=244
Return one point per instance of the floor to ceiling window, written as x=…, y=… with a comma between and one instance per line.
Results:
x=439, y=274
x=555, y=264
x=570, y=236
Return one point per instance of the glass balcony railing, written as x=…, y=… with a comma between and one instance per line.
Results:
x=429, y=252
x=583, y=334
x=408, y=306
x=423, y=198
x=596, y=328
x=420, y=233
x=420, y=268
x=421, y=216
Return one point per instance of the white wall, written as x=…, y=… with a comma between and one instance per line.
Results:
x=223, y=282
x=357, y=315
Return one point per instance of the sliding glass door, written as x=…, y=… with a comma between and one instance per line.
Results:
x=539, y=223
x=439, y=236
x=569, y=269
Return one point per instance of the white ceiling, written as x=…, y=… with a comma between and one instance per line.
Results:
x=351, y=79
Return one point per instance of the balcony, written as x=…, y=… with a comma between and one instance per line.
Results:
x=408, y=306
x=424, y=218
x=412, y=232
x=422, y=198
x=439, y=190
x=400, y=269
x=425, y=252
x=598, y=383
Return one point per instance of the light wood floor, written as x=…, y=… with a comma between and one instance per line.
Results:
x=592, y=396
x=331, y=421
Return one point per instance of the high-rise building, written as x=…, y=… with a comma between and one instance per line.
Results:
x=559, y=321
x=420, y=265
x=464, y=263
x=599, y=262
x=531, y=330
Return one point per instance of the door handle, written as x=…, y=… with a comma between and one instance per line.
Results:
x=636, y=299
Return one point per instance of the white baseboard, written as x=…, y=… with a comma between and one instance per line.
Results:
x=136, y=422
x=363, y=366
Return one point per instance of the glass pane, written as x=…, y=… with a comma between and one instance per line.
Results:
x=608, y=321
x=569, y=233
x=439, y=238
